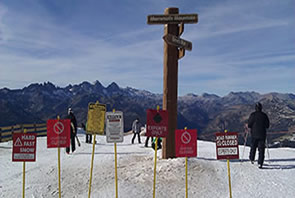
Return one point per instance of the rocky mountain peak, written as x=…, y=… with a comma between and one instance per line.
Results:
x=210, y=96
x=113, y=87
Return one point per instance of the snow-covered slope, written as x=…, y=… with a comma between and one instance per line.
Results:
x=207, y=176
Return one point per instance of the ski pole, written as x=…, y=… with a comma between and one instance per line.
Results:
x=78, y=141
x=267, y=150
x=75, y=132
x=245, y=141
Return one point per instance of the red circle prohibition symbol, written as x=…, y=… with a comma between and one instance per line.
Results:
x=186, y=137
x=58, y=128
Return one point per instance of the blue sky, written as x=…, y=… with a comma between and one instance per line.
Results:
x=237, y=45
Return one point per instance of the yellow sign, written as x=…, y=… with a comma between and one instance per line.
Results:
x=96, y=118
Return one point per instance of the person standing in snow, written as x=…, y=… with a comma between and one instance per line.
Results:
x=88, y=136
x=258, y=122
x=147, y=141
x=136, y=128
x=72, y=117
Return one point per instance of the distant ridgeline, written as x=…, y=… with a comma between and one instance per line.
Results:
x=208, y=113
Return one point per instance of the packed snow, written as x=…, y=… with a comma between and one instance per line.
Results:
x=207, y=177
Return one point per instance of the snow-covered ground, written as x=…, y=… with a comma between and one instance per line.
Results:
x=207, y=177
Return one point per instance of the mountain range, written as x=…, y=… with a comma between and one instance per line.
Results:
x=208, y=113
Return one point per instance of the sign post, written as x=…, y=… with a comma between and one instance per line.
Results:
x=227, y=147
x=95, y=125
x=186, y=184
x=114, y=126
x=24, y=149
x=24, y=178
x=186, y=146
x=174, y=26
x=114, y=132
x=155, y=167
x=157, y=123
x=157, y=126
x=58, y=135
x=24, y=173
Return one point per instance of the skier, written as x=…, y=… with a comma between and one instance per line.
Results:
x=136, y=128
x=72, y=117
x=258, y=122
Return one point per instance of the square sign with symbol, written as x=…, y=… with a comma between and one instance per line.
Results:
x=58, y=133
x=157, y=123
x=24, y=147
x=186, y=143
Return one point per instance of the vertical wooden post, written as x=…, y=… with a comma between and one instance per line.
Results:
x=170, y=87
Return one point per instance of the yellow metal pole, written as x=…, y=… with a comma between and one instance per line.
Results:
x=155, y=166
x=24, y=178
x=186, y=190
x=116, y=175
x=24, y=173
x=59, y=185
x=228, y=172
x=91, y=169
x=229, y=182
x=58, y=164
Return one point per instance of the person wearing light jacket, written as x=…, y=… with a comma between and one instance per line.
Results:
x=136, y=128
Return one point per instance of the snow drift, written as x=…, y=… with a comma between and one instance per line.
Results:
x=207, y=177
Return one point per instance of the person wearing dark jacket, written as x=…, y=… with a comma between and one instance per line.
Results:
x=72, y=117
x=258, y=123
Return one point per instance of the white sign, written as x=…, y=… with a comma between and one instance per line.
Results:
x=227, y=151
x=114, y=126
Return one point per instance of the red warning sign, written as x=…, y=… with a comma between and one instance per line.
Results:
x=227, y=146
x=24, y=147
x=157, y=123
x=58, y=133
x=186, y=143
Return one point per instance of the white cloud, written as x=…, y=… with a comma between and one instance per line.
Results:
x=2, y=13
x=39, y=49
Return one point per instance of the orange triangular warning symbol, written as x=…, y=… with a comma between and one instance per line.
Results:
x=18, y=142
